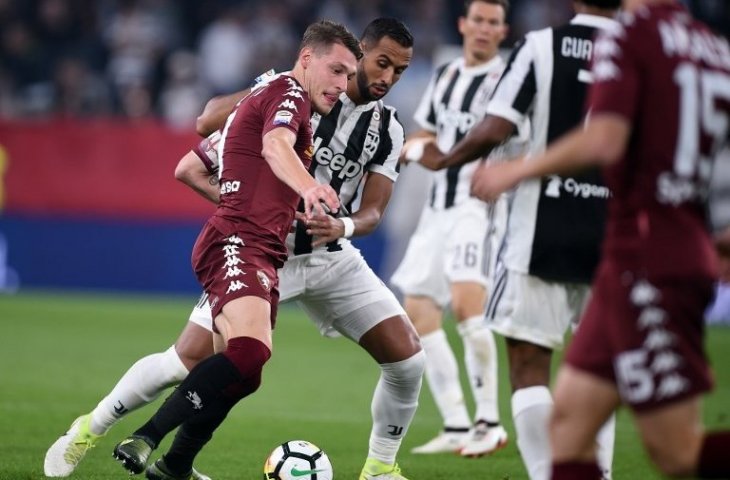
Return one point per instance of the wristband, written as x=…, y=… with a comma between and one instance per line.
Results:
x=349, y=226
x=415, y=150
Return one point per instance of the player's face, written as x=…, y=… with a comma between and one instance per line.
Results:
x=328, y=74
x=632, y=5
x=381, y=67
x=483, y=29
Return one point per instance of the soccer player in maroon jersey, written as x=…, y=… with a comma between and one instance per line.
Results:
x=659, y=111
x=266, y=150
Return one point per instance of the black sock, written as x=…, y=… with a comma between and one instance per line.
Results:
x=206, y=384
x=192, y=436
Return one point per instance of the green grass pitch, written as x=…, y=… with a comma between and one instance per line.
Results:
x=60, y=353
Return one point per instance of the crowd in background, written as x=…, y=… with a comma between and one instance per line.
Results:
x=164, y=58
x=140, y=59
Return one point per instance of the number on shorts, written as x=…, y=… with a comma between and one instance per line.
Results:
x=635, y=380
x=466, y=256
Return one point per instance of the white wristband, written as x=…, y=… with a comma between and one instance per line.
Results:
x=349, y=226
x=415, y=149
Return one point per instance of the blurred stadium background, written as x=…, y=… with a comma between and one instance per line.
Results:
x=98, y=100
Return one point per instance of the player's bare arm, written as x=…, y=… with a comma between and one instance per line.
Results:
x=376, y=195
x=192, y=172
x=216, y=111
x=601, y=142
x=478, y=143
x=278, y=151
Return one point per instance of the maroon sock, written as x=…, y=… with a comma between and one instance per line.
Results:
x=576, y=471
x=713, y=462
x=248, y=355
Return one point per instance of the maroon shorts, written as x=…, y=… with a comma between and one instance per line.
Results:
x=647, y=337
x=229, y=268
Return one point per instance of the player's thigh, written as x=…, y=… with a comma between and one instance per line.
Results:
x=248, y=316
x=467, y=244
x=673, y=435
x=195, y=342
x=425, y=314
x=421, y=272
x=526, y=308
x=467, y=299
x=347, y=297
x=293, y=277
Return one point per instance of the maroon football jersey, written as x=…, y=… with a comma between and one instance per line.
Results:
x=254, y=203
x=669, y=75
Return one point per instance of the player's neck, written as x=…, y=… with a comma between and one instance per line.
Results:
x=298, y=74
x=353, y=93
x=471, y=60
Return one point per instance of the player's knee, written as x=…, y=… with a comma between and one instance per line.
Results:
x=248, y=355
x=529, y=365
x=672, y=462
x=407, y=371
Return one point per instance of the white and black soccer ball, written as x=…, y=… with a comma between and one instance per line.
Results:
x=298, y=460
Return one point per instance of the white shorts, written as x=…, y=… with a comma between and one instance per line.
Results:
x=527, y=308
x=455, y=245
x=338, y=290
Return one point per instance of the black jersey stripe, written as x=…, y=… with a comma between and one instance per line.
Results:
x=355, y=145
x=527, y=92
x=325, y=131
x=328, y=124
x=445, y=99
x=432, y=111
x=452, y=173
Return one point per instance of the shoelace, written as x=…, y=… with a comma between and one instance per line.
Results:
x=77, y=450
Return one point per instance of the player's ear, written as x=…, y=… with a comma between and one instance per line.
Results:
x=305, y=56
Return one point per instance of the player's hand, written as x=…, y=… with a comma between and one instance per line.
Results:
x=324, y=228
x=722, y=243
x=422, y=150
x=320, y=200
x=491, y=180
x=412, y=150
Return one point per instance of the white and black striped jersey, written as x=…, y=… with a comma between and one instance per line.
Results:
x=349, y=142
x=556, y=223
x=454, y=101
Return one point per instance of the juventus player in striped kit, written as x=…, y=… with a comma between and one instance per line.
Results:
x=556, y=223
x=359, y=141
x=449, y=256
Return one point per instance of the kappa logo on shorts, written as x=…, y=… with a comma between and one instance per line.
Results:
x=263, y=280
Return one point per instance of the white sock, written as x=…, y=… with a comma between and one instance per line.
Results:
x=480, y=356
x=394, y=403
x=531, y=408
x=442, y=373
x=140, y=385
x=605, y=441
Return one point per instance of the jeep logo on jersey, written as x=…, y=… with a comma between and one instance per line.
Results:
x=574, y=188
x=336, y=161
x=463, y=121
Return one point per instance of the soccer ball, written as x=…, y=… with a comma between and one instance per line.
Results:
x=298, y=460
